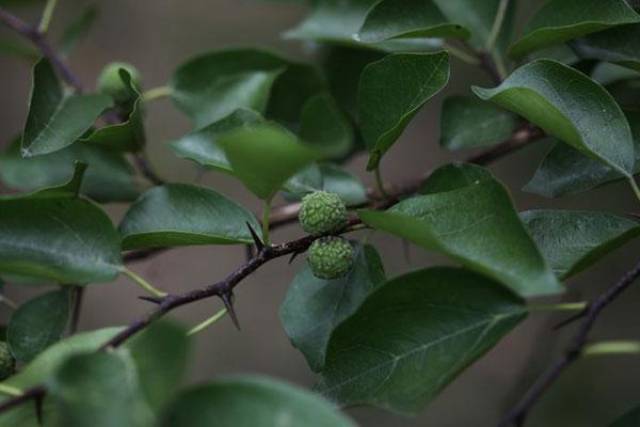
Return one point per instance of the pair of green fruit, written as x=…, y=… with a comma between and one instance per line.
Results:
x=328, y=257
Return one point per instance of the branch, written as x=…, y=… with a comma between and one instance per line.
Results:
x=517, y=416
x=40, y=41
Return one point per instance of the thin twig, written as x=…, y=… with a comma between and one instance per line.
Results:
x=517, y=416
x=78, y=296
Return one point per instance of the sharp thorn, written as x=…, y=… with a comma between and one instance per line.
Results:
x=249, y=252
x=256, y=240
x=570, y=320
x=227, y=299
x=294, y=256
x=154, y=300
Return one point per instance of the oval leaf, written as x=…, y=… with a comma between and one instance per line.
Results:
x=314, y=307
x=390, y=19
x=571, y=241
x=570, y=106
x=620, y=45
x=414, y=335
x=390, y=93
x=181, y=214
x=561, y=20
x=56, y=120
x=61, y=239
x=252, y=402
x=37, y=324
x=467, y=122
x=480, y=228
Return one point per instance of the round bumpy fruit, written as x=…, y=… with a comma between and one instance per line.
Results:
x=7, y=362
x=111, y=84
x=330, y=257
x=322, y=212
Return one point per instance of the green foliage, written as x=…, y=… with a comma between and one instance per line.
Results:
x=322, y=212
x=7, y=361
x=111, y=83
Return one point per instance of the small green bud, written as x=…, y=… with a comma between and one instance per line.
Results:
x=7, y=362
x=110, y=83
x=330, y=257
x=322, y=212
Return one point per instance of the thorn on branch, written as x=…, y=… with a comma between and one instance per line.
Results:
x=294, y=256
x=256, y=240
x=227, y=300
x=152, y=299
x=571, y=319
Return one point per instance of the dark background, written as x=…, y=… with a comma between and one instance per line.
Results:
x=156, y=36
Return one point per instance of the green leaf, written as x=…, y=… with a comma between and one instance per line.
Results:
x=37, y=324
x=264, y=156
x=569, y=105
x=66, y=240
x=566, y=170
x=201, y=145
x=347, y=186
x=571, y=241
x=620, y=45
x=468, y=122
x=78, y=29
x=128, y=135
x=629, y=419
x=478, y=17
x=391, y=92
x=390, y=19
x=323, y=125
x=252, y=402
x=182, y=214
x=56, y=120
x=98, y=389
x=414, y=335
x=314, y=307
x=160, y=354
x=43, y=366
x=561, y=20
x=109, y=177
x=469, y=216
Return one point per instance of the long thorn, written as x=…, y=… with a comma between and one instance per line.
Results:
x=227, y=299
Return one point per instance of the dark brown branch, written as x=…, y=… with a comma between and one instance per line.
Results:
x=40, y=41
x=517, y=416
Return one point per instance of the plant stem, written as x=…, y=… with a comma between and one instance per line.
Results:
x=634, y=187
x=612, y=347
x=9, y=303
x=10, y=390
x=142, y=283
x=266, y=214
x=497, y=25
x=569, y=306
x=461, y=54
x=47, y=14
x=380, y=183
x=210, y=321
x=156, y=93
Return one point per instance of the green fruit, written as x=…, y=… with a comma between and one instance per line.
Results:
x=7, y=362
x=330, y=257
x=322, y=212
x=110, y=83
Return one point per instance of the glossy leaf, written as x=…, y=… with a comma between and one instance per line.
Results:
x=324, y=126
x=313, y=307
x=201, y=145
x=37, y=324
x=182, y=214
x=571, y=241
x=414, y=335
x=569, y=105
x=391, y=92
x=251, y=402
x=43, y=366
x=264, y=156
x=57, y=120
x=468, y=122
x=620, y=45
x=109, y=177
x=566, y=170
x=390, y=19
x=160, y=354
x=326, y=177
x=98, y=389
x=128, y=135
x=560, y=20
x=480, y=228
